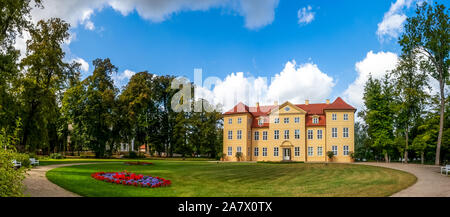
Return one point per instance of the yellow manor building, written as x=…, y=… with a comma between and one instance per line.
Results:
x=289, y=132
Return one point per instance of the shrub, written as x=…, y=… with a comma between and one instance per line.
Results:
x=56, y=156
x=10, y=178
x=330, y=155
x=239, y=155
x=132, y=155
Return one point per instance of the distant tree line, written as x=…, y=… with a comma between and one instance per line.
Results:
x=45, y=94
x=401, y=120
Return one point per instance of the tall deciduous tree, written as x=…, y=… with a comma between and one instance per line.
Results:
x=411, y=95
x=428, y=33
x=46, y=74
x=378, y=116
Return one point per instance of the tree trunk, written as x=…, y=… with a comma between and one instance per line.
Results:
x=406, y=146
x=386, y=157
x=441, y=121
x=422, y=157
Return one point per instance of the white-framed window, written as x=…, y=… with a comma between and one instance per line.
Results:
x=230, y=134
x=315, y=120
x=230, y=151
x=230, y=120
x=345, y=150
x=319, y=134
x=286, y=120
x=256, y=151
x=345, y=132
x=345, y=117
x=260, y=122
x=276, y=134
x=239, y=120
x=275, y=151
x=334, y=132
x=276, y=121
x=334, y=149
x=297, y=134
x=319, y=151
x=256, y=135
x=297, y=120
x=264, y=154
x=264, y=135
x=297, y=151
x=239, y=149
x=334, y=116
x=239, y=134
x=310, y=134
x=286, y=134
x=310, y=151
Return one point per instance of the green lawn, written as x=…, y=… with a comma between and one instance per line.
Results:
x=205, y=179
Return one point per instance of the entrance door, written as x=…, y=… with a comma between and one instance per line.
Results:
x=286, y=154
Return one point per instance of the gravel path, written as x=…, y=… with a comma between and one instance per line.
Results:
x=430, y=183
x=37, y=185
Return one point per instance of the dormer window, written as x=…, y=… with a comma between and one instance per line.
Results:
x=260, y=122
x=315, y=120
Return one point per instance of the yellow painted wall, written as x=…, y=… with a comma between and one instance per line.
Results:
x=340, y=141
x=315, y=143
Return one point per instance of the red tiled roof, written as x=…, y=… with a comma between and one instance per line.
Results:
x=339, y=104
x=239, y=108
x=309, y=122
x=265, y=123
x=315, y=109
x=311, y=109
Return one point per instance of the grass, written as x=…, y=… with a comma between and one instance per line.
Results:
x=206, y=179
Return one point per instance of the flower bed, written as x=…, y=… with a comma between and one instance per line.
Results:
x=138, y=163
x=125, y=178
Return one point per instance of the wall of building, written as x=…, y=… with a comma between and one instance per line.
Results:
x=340, y=141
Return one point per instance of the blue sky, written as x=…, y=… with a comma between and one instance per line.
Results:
x=218, y=39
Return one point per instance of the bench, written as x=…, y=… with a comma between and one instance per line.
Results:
x=34, y=162
x=445, y=169
x=16, y=163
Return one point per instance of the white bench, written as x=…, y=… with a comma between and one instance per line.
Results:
x=445, y=169
x=34, y=162
x=16, y=163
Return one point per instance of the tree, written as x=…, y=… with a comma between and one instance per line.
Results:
x=46, y=74
x=410, y=95
x=378, y=114
x=428, y=34
x=91, y=108
x=15, y=17
x=139, y=109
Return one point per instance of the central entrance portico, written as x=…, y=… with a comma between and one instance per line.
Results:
x=287, y=146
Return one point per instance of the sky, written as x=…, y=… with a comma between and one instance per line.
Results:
x=248, y=50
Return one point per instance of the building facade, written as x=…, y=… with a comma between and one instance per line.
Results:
x=288, y=132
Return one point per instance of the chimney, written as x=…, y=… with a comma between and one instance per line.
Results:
x=328, y=101
x=307, y=102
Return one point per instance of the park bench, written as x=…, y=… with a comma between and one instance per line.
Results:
x=445, y=169
x=16, y=163
x=34, y=162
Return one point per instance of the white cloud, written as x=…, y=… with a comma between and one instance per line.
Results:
x=375, y=64
x=393, y=20
x=294, y=83
x=122, y=78
x=84, y=65
x=78, y=12
x=305, y=15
